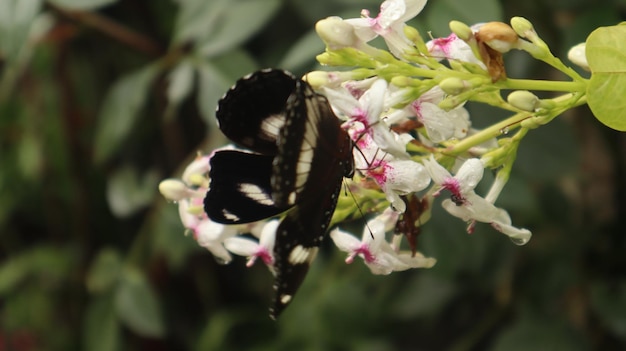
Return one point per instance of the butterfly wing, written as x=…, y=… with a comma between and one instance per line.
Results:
x=314, y=154
x=251, y=113
x=240, y=190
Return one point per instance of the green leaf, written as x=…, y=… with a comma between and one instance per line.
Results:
x=539, y=333
x=104, y=271
x=439, y=13
x=180, y=82
x=128, y=192
x=16, y=19
x=196, y=18
x=137, y=305
x=81, y=4
x=239, y=21
x=101, y=328
x=303, y=52
x=50, y=262
x=216, y=76
x=606, y=55
x=609, y=303
x=120, y=110
x=213, y=84
x=12, y=272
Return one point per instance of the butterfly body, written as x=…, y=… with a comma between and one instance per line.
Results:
x=300, y=157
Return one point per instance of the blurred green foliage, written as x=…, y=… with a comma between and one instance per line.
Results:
x=100, y=99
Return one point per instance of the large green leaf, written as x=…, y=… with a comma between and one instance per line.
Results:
x=120, y=110
x=81, y=4
x=137, y=305
x=606, y=55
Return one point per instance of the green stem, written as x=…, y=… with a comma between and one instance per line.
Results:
x=547, y=85
x=500, y=128
x=513, y=122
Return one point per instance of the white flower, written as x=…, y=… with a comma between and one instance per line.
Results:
x=460, y=185
x=452, y=48
x=465, y=204
x=211, y=236
x=441, y=125
x=364, y=112
x=398, y=177
x=377, y=254
x=477, y=209
x=263, y=248
x=389, y=23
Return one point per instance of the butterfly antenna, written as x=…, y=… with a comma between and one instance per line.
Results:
x=347, y=190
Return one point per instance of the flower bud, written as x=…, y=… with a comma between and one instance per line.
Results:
x=336, y=33
x=524, y=100
x=499, y=36
x=403, y=81
x=462, y=30
x=522, y=27
x=318, y=79
x=578, y=56
x=173, y=189
x=453, y=86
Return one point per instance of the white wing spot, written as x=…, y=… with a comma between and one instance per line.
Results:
x=284, y=299
x=271, y=126
x=301, y=254
x=292, y=198
x=230, y=216
x=255, y=193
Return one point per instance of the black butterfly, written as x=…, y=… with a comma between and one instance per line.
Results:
x=299, y=156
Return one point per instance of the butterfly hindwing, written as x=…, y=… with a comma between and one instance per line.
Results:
x=251, y=113
x=314, y=154
x=240, y=190
x=298, y=238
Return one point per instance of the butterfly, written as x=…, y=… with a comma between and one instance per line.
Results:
x=297, y=156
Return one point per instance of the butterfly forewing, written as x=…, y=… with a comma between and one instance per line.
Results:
x=240, y=190
x=251, y=113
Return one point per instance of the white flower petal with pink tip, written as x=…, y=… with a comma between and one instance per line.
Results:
x=263, y=248
x=211, y=236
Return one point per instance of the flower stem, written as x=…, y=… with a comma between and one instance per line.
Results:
x=547, y=85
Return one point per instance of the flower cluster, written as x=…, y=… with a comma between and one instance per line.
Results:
x=405, y=110
x=221, y=240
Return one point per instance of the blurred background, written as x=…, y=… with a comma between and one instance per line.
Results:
x=101, y=99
